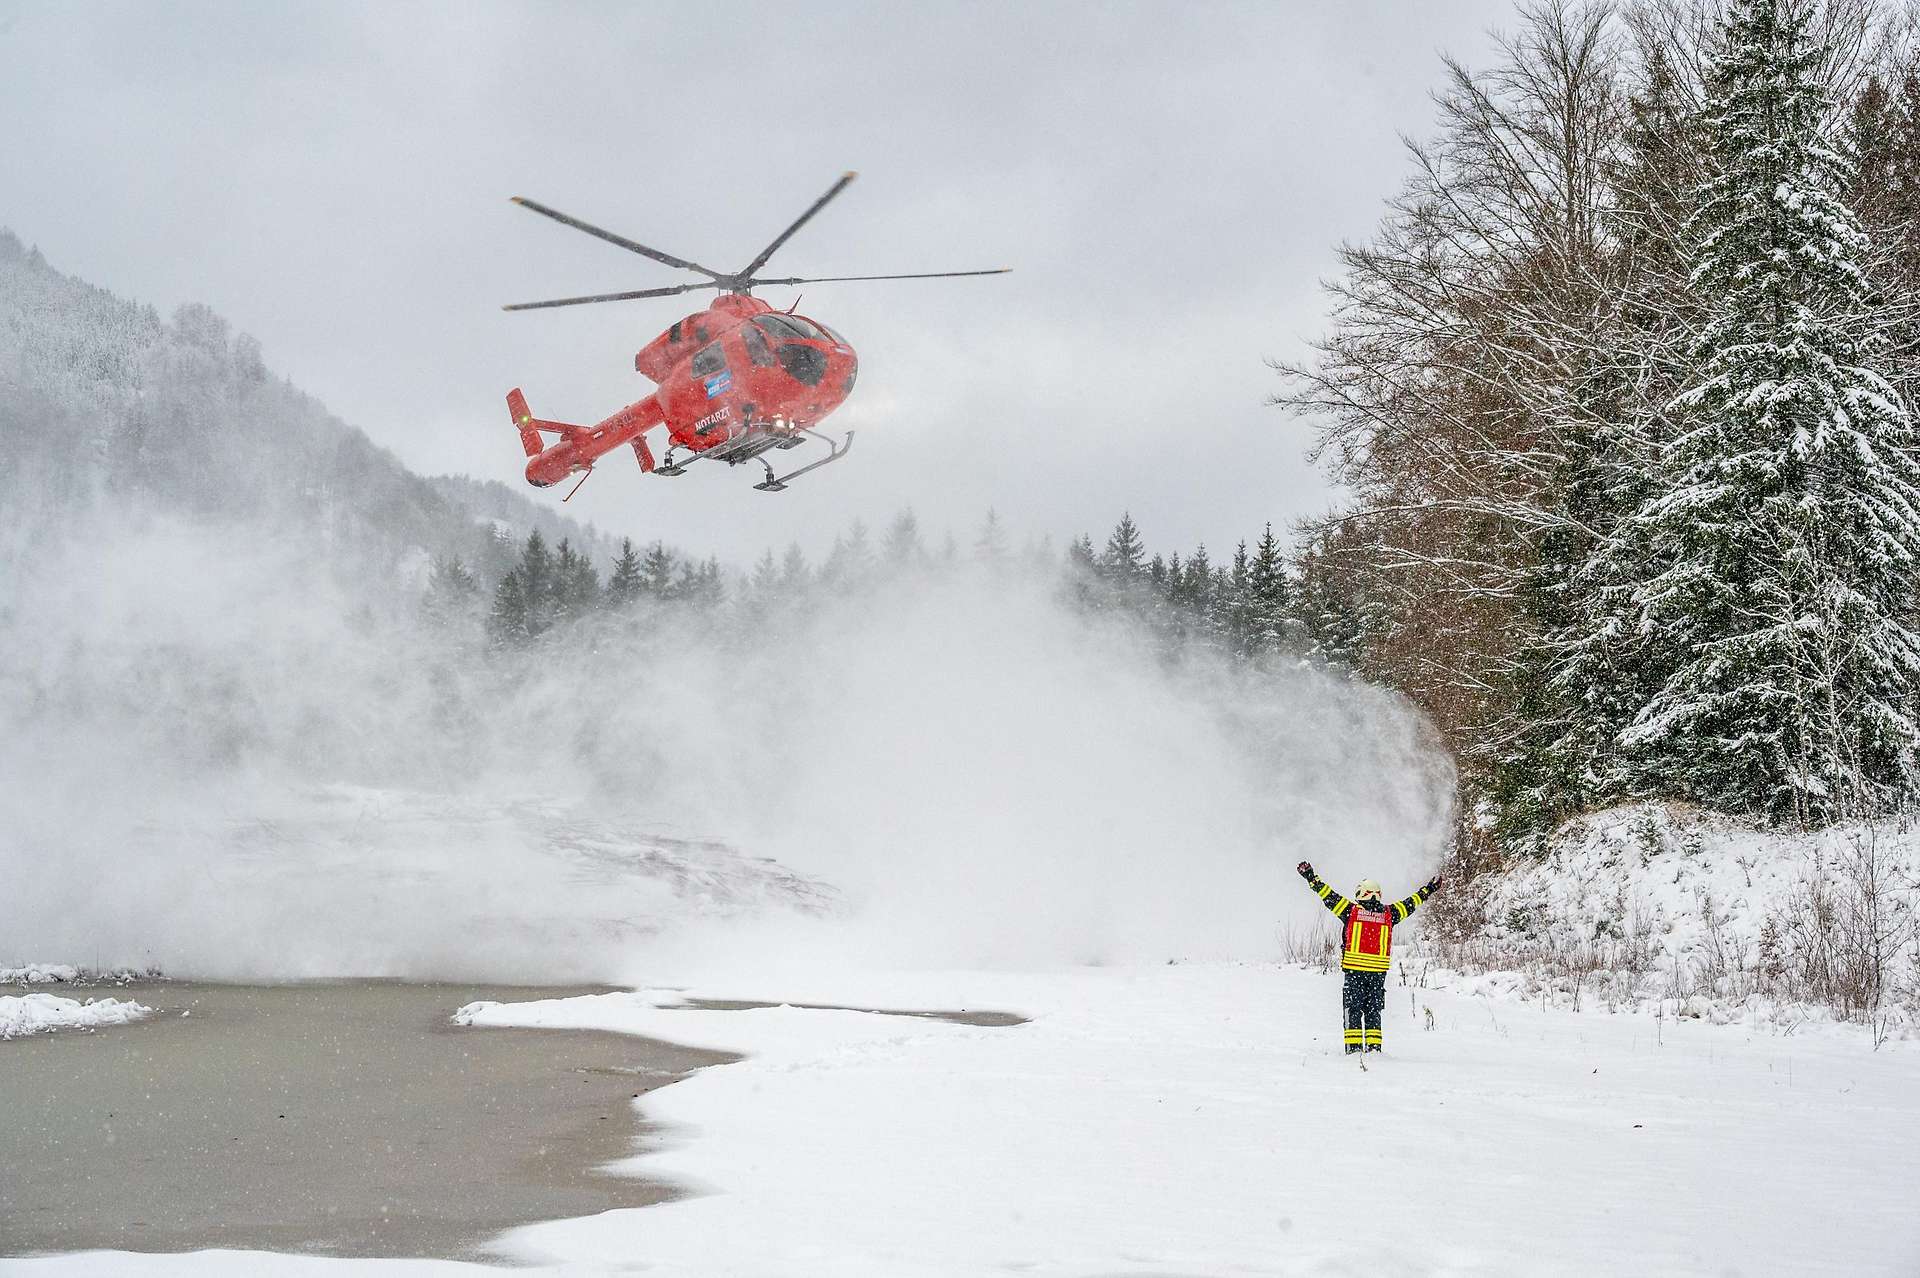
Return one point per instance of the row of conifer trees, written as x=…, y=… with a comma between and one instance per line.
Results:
x=1245, y=607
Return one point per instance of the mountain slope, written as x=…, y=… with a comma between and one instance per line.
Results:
x=101, y=399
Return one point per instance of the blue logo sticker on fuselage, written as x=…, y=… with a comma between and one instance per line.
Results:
x=719, y=383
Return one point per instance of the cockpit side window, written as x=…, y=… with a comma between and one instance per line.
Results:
x=709, y=360
x=757, y=349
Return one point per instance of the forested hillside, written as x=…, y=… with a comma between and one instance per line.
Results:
x=103, y=405
x=1621, y=393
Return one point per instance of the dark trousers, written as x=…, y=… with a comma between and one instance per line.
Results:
x=1363, y=996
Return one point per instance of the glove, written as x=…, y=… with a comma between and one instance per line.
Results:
x=1306, y=870
x=1433, y=885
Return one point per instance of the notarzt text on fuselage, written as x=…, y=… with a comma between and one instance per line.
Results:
x=736, y=381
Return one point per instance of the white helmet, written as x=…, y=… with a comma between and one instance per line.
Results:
x=1367, y=888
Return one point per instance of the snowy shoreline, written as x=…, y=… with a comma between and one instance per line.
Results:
x=833, y=1145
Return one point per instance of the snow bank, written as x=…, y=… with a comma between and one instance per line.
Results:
x=33, y=1013
x=39, y=974
x=1701, y=915
x=68, y=974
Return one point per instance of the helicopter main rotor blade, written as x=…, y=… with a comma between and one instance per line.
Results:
x=836, y=279
x=798, y=222
x=631, y=246
x=606, y=297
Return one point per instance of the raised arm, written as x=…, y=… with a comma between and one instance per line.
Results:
x=1420, y=894
x=1334, y=902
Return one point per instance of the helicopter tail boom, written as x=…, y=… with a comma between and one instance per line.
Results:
x=579, y=446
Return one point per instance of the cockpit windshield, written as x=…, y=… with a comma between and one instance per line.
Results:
x=792, y=326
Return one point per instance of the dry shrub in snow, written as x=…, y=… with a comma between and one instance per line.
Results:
x=1684, y=910
x=1849, y=937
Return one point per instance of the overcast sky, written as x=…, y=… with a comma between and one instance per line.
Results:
x=1168, y=181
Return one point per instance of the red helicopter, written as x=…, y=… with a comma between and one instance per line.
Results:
x=737, y=380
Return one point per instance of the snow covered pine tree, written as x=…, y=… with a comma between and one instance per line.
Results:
x=1366, y=951
x=1784, y=524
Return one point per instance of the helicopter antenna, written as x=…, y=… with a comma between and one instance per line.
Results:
x=742, y=281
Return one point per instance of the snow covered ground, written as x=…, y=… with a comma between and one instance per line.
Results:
x=35, y=1013
x=1199, y=1119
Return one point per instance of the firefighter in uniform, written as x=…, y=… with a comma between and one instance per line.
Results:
x=1366, y=949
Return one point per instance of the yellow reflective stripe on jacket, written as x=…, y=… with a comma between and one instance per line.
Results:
x=1328, y=897
x=1403, y=908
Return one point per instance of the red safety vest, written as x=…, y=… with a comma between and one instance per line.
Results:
x=1368, y=942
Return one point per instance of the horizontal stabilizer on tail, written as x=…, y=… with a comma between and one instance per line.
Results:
x=530, y=426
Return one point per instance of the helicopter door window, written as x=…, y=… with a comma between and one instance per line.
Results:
x=757, y=349
x=708, y=361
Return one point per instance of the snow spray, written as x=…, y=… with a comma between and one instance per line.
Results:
x=225, y=763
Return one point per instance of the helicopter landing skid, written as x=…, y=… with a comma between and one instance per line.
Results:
x=835, y=451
